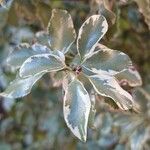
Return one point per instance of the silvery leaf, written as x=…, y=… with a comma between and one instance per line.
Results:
x=131, y=76
x=42, y=37
x=61, y=30
x=92, y=30
x=24, y=51
x=20, y=86
x=107, y=85
x=77, y=108
x=107, y=61
x=41, y=63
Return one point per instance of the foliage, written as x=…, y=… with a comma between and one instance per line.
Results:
x=84, y=69
x=36, y=60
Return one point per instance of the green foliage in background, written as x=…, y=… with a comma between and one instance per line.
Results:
x=84, y=68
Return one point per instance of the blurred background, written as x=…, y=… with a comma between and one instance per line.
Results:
x=36, y=121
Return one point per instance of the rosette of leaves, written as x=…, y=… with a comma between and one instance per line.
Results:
x=100, y=66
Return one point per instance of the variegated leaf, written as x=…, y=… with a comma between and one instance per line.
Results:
x=24, y=51
x=40, y=49
x=130, y=76
x=41, y=63
x=107, y=61
x=92, y=30
x=77, y=108
x=61, y=30
x=59, y=54
x=107, y=85
x=20, y=86
x=42, y=37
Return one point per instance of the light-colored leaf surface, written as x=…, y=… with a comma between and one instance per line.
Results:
x=131, y=76
x=40, y=49
x=41, y=63
x=6, y=4
x=77, y=108
x=20, y=86
x=61, y=30
x=19, y=55
x=42, y=37
x=142, y=97
x=59, y=54
x=107, y=60
x=92, y=111
x=24, y=51
x=92, y=30
x=138, y=138
x=106, y=85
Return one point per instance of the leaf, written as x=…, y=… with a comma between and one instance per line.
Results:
x=108, y=141
x=41, y=63
x=40, y=49
x=77, y=108
x=139, y=138
x=20, y=86
x=144, y=8
x=5, y=146
x=57, y=78
x=42, y=12
x=61, y=30
x=92, y=111
x=91, y=31
x=127, y=122
x=42, y=37
x=104, y=9
x=3, y=19
x=107, y=85
x=107, y=61
x=6, y=3
x=107, y=123
x=24, y=51
x=120, y=147
x=142, y=97
x=19, y=55
x=60, y=55
x=131, y=76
